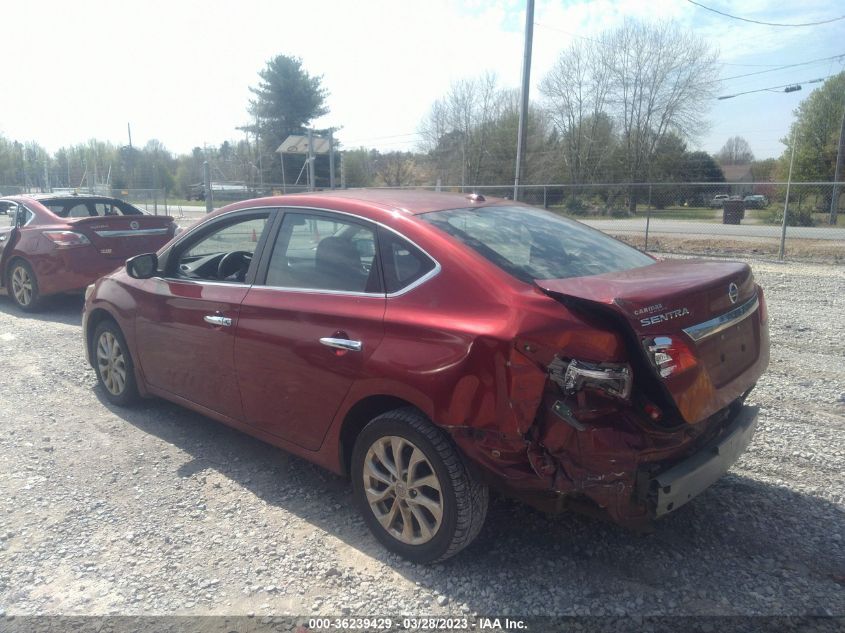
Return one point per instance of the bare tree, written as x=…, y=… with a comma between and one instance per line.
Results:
x=736, y=151
x=661, y=80
x=455, y=131
x=576, y=92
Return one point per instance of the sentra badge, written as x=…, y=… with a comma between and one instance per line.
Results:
x=666, y=316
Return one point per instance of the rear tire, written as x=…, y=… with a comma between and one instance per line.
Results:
x=414, y=490
x=22, y=286
x=113, y=364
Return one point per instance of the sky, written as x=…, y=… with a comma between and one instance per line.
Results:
x=180, y=71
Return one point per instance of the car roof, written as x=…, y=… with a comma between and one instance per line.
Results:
x=41, y=197
x=411, y=201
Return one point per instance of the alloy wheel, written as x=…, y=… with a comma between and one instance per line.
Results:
x=111, y=363
x=403, y=490
x=22, y=286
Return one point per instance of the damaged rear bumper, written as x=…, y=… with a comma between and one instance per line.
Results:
x=687, y=479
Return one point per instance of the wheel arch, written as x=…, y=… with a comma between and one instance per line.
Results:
x=96, y=316
x=7, y=263
x=358, y=416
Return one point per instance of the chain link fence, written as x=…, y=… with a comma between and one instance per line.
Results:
x=730, y=219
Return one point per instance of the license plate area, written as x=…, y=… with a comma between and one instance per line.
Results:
x=730, y=352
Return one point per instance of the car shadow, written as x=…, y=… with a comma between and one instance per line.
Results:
x=772, y=536
x=65, y=309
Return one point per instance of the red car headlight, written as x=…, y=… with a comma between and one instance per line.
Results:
x=67, y=239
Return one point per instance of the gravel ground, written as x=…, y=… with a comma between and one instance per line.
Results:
x=158, y=510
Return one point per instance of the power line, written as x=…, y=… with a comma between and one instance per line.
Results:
x=553, y=28
x=736, y=17
x=775, y=88
x=770, y=70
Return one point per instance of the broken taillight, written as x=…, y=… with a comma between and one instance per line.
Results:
x=615, y=379
x=669, y=355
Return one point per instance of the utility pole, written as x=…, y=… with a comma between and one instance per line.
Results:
x=131, y=154
x=786, y=202
x=311, y=183
x=837, y=174
x=206, y=179
x=523, y=107
x=331, y=158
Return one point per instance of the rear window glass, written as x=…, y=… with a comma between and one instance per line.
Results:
x=534, y=244
x=89, y=208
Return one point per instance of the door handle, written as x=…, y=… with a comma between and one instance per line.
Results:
x=342, y=343
x=216, y=319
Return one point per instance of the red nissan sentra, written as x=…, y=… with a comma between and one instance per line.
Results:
x=431, y=345
x=60, y=243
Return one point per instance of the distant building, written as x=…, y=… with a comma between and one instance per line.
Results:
x=736, y=177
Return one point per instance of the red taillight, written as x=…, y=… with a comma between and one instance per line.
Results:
x=670, y=355
x=764, y=311
x=66, y=239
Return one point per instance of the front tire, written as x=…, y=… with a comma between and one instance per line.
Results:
x=22, y=286
x=413, y=488
x=113, y=364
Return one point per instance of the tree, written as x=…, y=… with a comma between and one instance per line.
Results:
x=396, y=169
x=358, y=167
x=286, y=100
x=735, y=151
x=659, y=78
x=455, y=131
x=614, y=99
x=818, y=121
x=576, y=94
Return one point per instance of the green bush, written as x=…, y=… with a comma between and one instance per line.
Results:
x=576, y=206
x=794, y=217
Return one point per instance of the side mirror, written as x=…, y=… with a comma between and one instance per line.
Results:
x=142, y=266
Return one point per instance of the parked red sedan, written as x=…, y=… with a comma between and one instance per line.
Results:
x=430, y=345
x=55, y=244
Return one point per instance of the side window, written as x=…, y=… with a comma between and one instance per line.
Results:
x=322, y=253
x=11, y=211
x=403, y=262
x=124, y=208
x=226, y=253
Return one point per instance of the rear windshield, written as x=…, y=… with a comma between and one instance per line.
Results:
x=84, y=208
x=534, y=244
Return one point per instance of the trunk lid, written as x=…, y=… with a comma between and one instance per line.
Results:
x=123, y=236
x=707, y=309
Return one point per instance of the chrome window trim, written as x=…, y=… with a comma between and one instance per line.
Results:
x=183, y=280
x=321, y=291
x=282, y=209
x=715, y=325
x=129, y=233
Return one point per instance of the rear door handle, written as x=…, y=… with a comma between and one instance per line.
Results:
x=216, y=319
x=342, y=343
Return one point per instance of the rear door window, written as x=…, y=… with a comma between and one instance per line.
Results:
x=324, y=252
